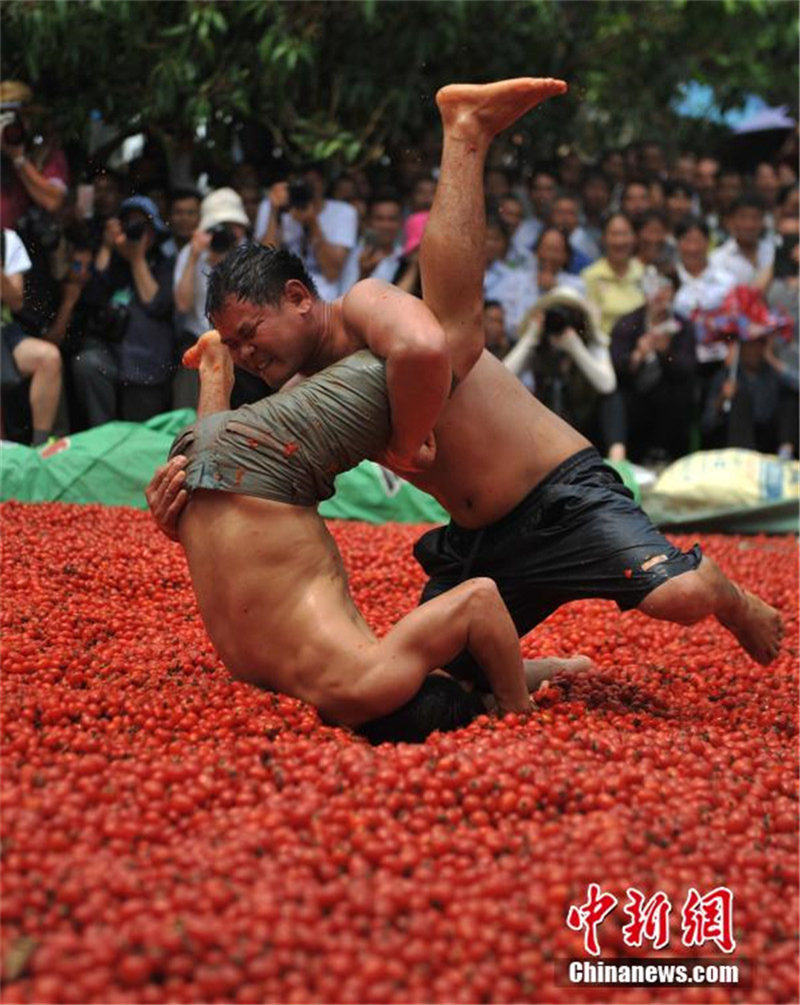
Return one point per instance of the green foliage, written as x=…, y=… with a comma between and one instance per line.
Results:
x=342, y=80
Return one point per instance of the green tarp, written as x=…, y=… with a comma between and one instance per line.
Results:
x=112, y=464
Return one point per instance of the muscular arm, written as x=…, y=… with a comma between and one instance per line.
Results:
x=402, y=330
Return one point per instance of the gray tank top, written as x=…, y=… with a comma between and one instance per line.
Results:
x=290, y=447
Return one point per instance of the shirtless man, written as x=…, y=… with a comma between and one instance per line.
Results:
x=268, y=577
x=533, y=507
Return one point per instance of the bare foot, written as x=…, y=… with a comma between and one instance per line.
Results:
x=538, y=671
x=214, y=361
x=476, y=112
x=759, y=628
x=207, y=351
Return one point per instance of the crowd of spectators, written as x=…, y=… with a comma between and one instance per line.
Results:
x=614, y=289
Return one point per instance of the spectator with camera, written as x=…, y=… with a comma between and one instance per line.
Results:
x=124, y=369
x=320, y=231
x=653, y=350
x=223, y=224
x=563, y=357
x=34, y=175
x=380, y=249
x=25, y=357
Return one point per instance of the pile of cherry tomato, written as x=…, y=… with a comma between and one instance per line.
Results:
x=170, y=835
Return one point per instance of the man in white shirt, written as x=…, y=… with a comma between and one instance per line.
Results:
x=320, y=231
x=24, y=356
x=746, y=254
x=378, y=253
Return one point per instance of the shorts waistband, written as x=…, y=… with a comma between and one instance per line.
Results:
x=584, y=457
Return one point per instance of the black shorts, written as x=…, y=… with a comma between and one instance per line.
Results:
x=578, y=534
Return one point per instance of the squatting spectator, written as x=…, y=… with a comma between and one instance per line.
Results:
x=126, y=372
x=320, y=231
x=24, y=357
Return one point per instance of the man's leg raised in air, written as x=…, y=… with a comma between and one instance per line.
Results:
x=452, y=257
x=453, y=253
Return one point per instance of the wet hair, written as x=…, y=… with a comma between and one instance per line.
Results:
x=440, y=704
x=691, y=223
x=256, y=274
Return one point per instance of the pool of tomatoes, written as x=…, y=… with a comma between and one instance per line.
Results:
x=170, y=835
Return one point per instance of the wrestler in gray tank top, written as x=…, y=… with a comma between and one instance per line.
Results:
x=290, y=447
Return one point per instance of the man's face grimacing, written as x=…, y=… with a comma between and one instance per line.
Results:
x=274, y=343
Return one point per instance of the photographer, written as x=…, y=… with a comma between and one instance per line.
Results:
x=34, y=170
x=654, y=355
x=297, y=216
x=563, y=356
x=223, y=224
x=124, y=369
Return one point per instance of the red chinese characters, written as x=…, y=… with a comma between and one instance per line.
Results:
x=707, y=918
